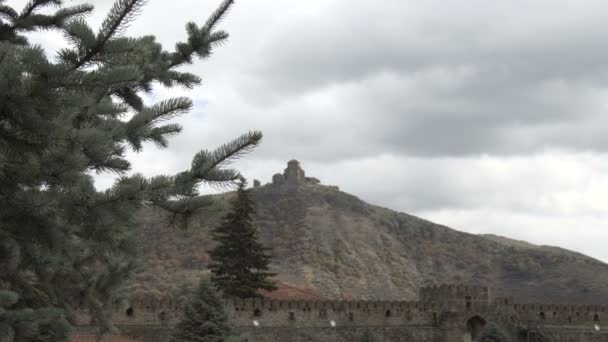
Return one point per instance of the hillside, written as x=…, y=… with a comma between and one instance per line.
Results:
x=331, y=244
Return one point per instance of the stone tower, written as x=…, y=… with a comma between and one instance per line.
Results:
x=294, y=176
x=293, y=173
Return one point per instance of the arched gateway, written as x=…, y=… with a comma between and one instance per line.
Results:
x=474, y=326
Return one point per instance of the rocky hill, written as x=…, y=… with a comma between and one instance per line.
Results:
x=331, y=244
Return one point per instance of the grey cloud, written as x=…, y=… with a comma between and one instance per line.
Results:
x=464, y=81
x=340, y=80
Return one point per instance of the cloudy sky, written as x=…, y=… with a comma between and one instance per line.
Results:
x=485, y=116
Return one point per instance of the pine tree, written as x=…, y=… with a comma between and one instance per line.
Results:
x=366, y=337
x=203, y=318
x=240, y=263
x=64, y=244
x=492, y=333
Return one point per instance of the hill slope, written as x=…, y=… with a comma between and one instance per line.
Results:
x=334, y=245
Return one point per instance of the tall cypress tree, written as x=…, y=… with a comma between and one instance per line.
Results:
x=63, y=243
x=240, y=262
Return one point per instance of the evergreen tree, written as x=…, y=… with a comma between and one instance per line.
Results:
x=63, y=243
x=240, y=263
x=492, y=333
x=367, y=336
x=203, y=318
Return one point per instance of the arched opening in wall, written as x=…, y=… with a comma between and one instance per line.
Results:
x=292, y=316
x=474, y=326
x=129, y=312
x=569, y=319
x=257, y=313
x=351, y=316
x=162, y=316
x=596, y=318
x=322, y=313
x=388, y=314
x=542, y=316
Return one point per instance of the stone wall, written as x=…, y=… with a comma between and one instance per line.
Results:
x=444, y=313
x=300, y=314
x=344, y=334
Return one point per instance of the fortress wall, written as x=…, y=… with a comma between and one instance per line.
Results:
x=442, y=314
x=137, y=314
x=574, y=334
x=438, y=292
x=347, y=334
x=321, y=313
x=586, y=315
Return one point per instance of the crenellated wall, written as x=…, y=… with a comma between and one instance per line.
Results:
x=444, y=313
x=323, y=313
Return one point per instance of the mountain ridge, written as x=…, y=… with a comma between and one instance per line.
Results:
x=335, y=245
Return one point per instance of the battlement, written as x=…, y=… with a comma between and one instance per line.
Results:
x=277, y=313
x=450, y=292
x=559, y=314
x=441, y=309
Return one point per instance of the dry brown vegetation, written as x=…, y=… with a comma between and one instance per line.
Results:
x=337, y=246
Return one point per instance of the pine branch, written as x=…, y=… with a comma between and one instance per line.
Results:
x=159, y=134
x=28, y=20
x=204, y=162
x=217, y=15
x=220, y=178
x=218, y=37
x=73, y=12
x=120, y=15
x=201, y=41
x=185, y=79
x=8, y=13
x=35, y=4
x=80, y=34
x=130, y=97
x=169, y=109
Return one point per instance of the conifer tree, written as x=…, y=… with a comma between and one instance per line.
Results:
x=239, y=262
x=492, y=333
x=64, y=245
x=203, y=317
x=366, y=337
